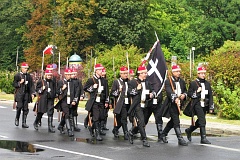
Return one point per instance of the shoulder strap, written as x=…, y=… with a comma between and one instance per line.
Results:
x=197, y=83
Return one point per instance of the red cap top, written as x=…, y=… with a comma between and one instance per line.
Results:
x=49, y=67
x=98, y=66
x=24, y=65
x=74, y=70
x=142, y=69
x=67, y=71
x=201, y=70
x=123, y=69
x=104, y=70
x=131, y=72
x=48, y=72
x=176, y=68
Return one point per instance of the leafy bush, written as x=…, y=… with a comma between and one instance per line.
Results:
x=6, y=80
x=227, y=101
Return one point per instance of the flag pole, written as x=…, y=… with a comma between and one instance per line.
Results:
x=59, y=63
x=127, y=63
x=156, y=36
x=17, y=59
x=42, y=65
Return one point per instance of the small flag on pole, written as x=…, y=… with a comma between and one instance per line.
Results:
x=48, y=49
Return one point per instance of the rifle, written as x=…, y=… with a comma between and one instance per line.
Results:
x=114, y=115
x=178, y=104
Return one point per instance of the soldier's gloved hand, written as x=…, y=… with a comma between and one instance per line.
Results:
x=139, y=86
x=95, y=85
x=199, y=89
x=64, y=87
x=22, y=81
x=43, y=88
x=73, y=103
x=120, y=89
x=211, y=109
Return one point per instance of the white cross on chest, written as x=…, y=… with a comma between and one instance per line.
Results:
x=204, y=92
x=144, y=93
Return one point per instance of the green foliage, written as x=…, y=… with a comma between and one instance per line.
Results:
x=6, y=80
x=227, y=101
x=117, y=56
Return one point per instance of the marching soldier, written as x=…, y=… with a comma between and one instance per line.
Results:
x=97, y=88
x=176, y=94
x=121, y=101
x=24, y=93
x=68, y=97
x=104, y=122
x=46, y=88
x=80, y=91
x=141, y=93
x=154, y=106
x=202, y=101
x=131, y=74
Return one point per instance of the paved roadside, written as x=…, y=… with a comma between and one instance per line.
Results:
x=212, y=127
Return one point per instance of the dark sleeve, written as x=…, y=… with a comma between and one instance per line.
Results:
x=132, y=88
x=16, y=80
x=210, y=94
x=184, y=91
x=81, y=91
x=114, y=90
x=32, y=87
x=106, y=91
x=192, y=90
x=88, y=87
x=39, y=87
x=170, y=93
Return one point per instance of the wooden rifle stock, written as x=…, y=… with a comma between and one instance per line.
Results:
x=89, y=119
x=115, y=118
x=14, y=104
x=178, y=104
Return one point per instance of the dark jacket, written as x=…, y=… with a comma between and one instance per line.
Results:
x=196, y=97
x=23, y=90
x=88, y=87
x=172, y=96
x=119, y=96
x=136, y=94
x=46, y=95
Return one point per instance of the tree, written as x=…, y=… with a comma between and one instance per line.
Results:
x=123, y=22
x=13, y=15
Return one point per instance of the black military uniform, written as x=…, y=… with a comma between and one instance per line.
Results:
x=140, y=91
x=202, y=101
x=154, y=106
x=97, y=101
x=45, y=101
x=179, y=86
x=121, y=97
x=74, y=113
x=23, y=94
x=66, y=98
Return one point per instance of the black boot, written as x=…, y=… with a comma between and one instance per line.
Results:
x=35, y=123
x=165, y=133
x=40, y=122
x=101, y=128
x=181, y=141
x=76, y=128
x=24, y=118
x=159, y=130
x=70, y=133
x=86, y=122
x=130, y=136
x=60, y=126
x=125, y=131
x=189, y=131
x=115, y=132
x=203, y=136
x=71, y=122
x=105, y=125
x=18, y=113
x=145, y=143
x=50, y=128
x=97, y=131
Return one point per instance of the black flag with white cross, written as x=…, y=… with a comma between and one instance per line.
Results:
x=157, y=69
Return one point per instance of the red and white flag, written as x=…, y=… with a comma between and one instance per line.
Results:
x=48, y=49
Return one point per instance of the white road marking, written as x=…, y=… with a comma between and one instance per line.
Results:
x=1, y=136
x=72, y=152
x=220, y=147
x=2, y=107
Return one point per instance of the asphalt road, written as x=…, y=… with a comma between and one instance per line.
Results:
x=18, y=143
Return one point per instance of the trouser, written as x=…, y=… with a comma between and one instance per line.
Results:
x=140, y=121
